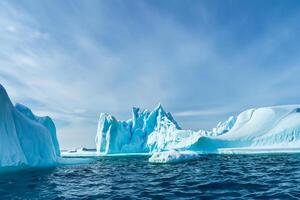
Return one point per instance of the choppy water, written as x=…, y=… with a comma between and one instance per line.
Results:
x=211, y=177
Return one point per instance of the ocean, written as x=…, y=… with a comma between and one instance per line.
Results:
x=268, y=176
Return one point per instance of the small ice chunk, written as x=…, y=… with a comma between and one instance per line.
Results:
x=173, y=156
x=82, y=149
x=72, y=150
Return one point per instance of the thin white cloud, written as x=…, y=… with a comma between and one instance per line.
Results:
x=206, y=112
x=196, y=113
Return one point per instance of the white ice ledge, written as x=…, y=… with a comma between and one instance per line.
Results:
x=173, y=156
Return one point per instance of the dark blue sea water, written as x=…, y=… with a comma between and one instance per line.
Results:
x=211, y=177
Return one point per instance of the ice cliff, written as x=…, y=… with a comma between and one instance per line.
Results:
x=145, y=132
x=267, y=127
x=25, y=139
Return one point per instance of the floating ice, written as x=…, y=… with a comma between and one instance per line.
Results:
x=145, y=132
x=45, y=121
x=270, y=128
x=26, y=139
x=276, y=127
x=173, y=156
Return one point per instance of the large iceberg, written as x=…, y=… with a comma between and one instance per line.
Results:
x=274, y=127
x=25, y=139
x=145, y=132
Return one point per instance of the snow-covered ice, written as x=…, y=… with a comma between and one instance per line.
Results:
x=274, y=127
x=26, y=139
x=173, y=156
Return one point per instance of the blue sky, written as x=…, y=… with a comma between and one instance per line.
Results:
x=202, y=60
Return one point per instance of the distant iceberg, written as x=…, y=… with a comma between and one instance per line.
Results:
x=25, y=139
x=276, y=127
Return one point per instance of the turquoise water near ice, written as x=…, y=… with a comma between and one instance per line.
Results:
x=210, y=177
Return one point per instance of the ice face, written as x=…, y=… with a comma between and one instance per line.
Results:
x=26, y=139
x=45, y=121
x=273, y=127
x=112, y=134
x=223, y=127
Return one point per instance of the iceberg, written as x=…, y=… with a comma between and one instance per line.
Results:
x=145, y=132
x=45, y=121
x=26, y=139
x=267, y=128
x=272, y=128
x=173, y=156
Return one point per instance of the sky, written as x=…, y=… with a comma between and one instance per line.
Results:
x=202, y=60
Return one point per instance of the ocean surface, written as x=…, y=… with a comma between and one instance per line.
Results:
x=210, y=177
